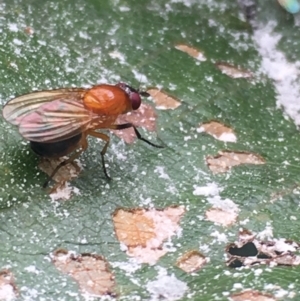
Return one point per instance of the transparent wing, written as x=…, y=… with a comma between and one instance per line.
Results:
x=56, y=121
x=19, y=107
x=55, y=115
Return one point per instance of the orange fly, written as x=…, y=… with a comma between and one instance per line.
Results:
x=57, y=122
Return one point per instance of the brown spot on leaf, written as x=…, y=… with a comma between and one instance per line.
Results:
x=278, y=195
x=91, y=271
x=246, y=234
x=162, y=100
x=64, y=174
x=143, y=231
x=194, y=52
x=225, y=160
x=144, y=117
x=191, y=261
x=29, y=30
x=8, y=289
x=61, y=190
x=221, y=216
x=218, y=131
x=233, y=71
x=249, y=251
x=250, y=295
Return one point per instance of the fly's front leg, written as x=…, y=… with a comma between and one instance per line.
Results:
x=103, y=152
x=138, y=135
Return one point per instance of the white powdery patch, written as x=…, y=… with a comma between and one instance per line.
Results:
x=223, y=211
x=210, y=189
x=146, y=202
x=166, y=287
x=228, y=137
x=119, y=150
x=278, y=291
x=29, y=294
x=282, y=246
x=32, y=269
x=219, y=237
x=161, y=171
x=130, y=266
x=61, y=194
x=17, y=42
x=118, y=55
x=7, y=292
x=13, y=27
x=238, y=286
x=124, y=8
x=64, y=192
x=226, y=204
x=267, y=233
x=141, y=78
x=258, y=272
x=277, y=67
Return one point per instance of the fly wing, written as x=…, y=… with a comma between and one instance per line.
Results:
x=16, y=109
x=56, y=121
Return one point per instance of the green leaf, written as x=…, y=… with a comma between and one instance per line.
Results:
x=53, y=44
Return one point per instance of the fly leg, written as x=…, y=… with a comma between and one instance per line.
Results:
x=106, y=139
x=83, y=145
x=138, y=135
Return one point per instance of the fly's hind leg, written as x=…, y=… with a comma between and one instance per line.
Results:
x=103, y=152
x=83, y=145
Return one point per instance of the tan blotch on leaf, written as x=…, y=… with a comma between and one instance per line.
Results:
x=220, y=216
x=61, y=190
x=29, y=30
x=64, y=174
x=251, y=296
x=218, y=131
x=8, y=290
x=144, y=231
x=233, y=71
x=191, y=261
x=225, y=160
x=195, y=53
x=162, y=100
x=144, y=117
x=89, y=270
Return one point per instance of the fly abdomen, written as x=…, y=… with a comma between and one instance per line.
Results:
x=55, y=149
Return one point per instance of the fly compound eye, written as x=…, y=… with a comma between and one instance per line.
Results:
x=135, y=100
x=134, y=95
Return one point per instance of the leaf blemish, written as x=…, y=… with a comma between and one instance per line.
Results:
x=251, y=295
x=162, y=100
x=91, y=271
x=225, y=160
x=191, y=261
x=232, y=71
x=220, y=216
x=8, y=289
x=192, y=51
x=144, y=231
x=250, y=251
x=61, y=190
x=218, y=131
